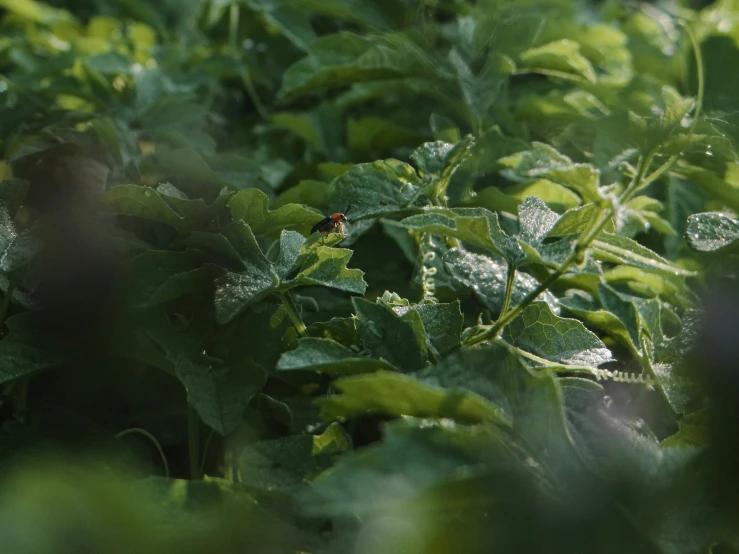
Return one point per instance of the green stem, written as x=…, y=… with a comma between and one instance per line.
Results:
x=577, y=254
x=700, y=70
x=639, y=181
x=510, y=280
x=193, y=442
x=233, y=27
x=253, y=96
x=205, y=451
x=657, y=173
x=548, y=364
x=292, y=312
x=251, y=91
x=145, y=433
x=229, y=473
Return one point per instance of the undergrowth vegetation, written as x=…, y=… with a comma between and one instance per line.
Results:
x=524, y=341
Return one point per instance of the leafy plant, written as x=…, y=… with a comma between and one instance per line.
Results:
x=517, y=345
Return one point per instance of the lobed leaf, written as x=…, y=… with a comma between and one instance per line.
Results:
x=395, y=394
x=538, y=330
x=328, y=356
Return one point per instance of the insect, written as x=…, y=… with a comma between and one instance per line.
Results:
x=331, y=223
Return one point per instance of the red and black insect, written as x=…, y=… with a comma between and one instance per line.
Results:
x=331, y=223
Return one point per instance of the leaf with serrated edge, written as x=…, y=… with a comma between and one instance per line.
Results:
x=402, y=395
x=328, y=356
x=379, y=188
x=390, y=336
x=327, y=267
x=545, y=334
x=252, y=207
x=487, y=277
x=220, y=392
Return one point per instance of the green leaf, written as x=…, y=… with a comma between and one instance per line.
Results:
x=359, y=11
x=542, y=160
x=328, y=356
x=327, y=267
x=251, y=207
x=255, y=278
x=380, y=188
x=693, y=431
x=395, y=394
x=624, y=310
x=443, y=325
x=584, y=179
x=641, y=214
x=165, y=204
x=419, y=454
x=290, y=246
x=288, y=464
x=594, y=315
x=17, y=249
x=188, y=166
x=38, y=12
x=539, y=331
x=678, y=389
x=577, y=220
x=477, y=226
x=444, y=129
x=481, y=90
x=320, y=128
x=711, y=231
x=560, y=56
x=375, y=134
x=21, y=353
x=487, y=278
x=220, y=392
x=535, y=220
x=311, y=193
x=292, y=22
x=431, y=157
x=340, y=329
x=345, y=58
x=158, y=276
x=399, y=339
x=12, y=194
x=652, y=283
x=622, y=250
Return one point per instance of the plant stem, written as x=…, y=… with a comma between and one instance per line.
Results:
x=510, y=280
x=577, y=253
x=145, y=433
x=640, y=180
x=229, y=473
x=204, y=457
x=193, y=442
x=292, y=312
x=233, y=27
x=657, y=173
x=251, y=91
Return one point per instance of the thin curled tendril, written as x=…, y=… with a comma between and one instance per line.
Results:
x=624, y=377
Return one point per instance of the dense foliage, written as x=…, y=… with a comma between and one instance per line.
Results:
x=524, y=342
